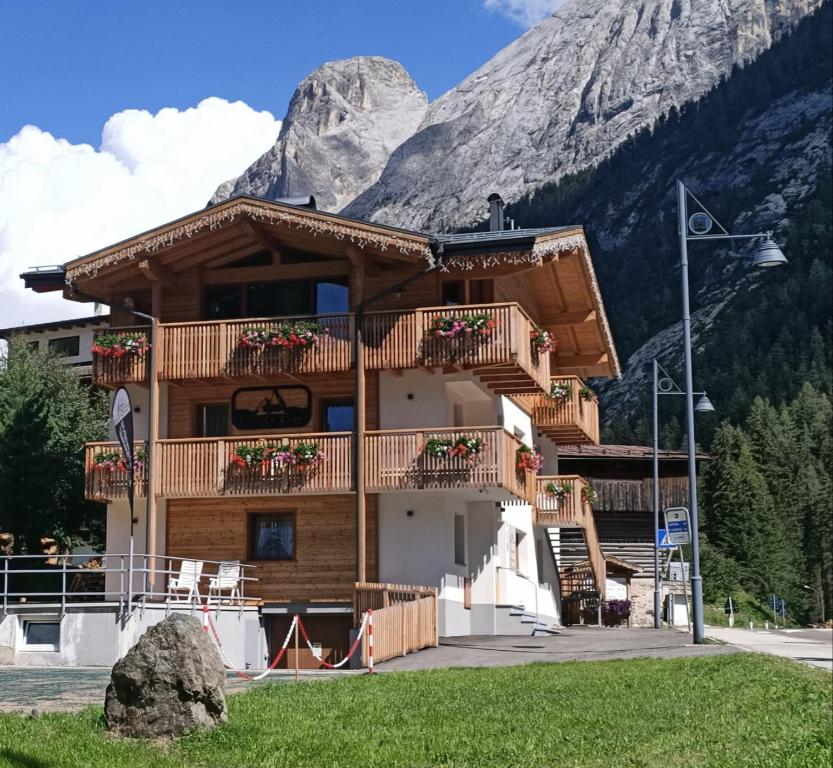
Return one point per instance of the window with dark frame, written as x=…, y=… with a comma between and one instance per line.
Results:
x=281, y=298
x=460, y=539
x=272, y=536
x=453, y=293
x=337, y=415
x=65, y=346
x=214, y=419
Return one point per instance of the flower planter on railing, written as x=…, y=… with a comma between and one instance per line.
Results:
x=106, y=471
x=568, y=414
x=297, y=335
x=120, y=356
x=281, y=466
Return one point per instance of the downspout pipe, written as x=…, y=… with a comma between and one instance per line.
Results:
x=359, y=424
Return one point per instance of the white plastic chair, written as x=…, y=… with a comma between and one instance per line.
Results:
x=226, y=580
x=186, y=581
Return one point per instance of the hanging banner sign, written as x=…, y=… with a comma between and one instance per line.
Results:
x=121, y=416
x=677, y=526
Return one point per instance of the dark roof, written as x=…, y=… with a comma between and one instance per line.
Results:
x=620, y=452
x=56, y=325
x=497, y=240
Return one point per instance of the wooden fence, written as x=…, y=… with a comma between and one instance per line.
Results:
x=637, y=495
x=404, y=618
x=569, y=420
x=104, y=483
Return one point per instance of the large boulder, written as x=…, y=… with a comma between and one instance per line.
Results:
x=171, y=681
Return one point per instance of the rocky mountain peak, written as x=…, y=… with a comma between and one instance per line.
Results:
x=562, y=97
x=344, y=121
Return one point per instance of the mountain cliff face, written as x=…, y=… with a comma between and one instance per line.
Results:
x=344, y=120
x=564, y=96
x=756, y=150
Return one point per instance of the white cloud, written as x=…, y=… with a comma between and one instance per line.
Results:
x=59, y=200
x=525, y=13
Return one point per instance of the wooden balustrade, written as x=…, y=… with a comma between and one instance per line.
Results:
x=104, y=483
x=203, y=467
x=571, y=420
x=111, y=371
x=566, y=507
x=396, y=460
x=212, y=350
x=404, y=618
x=393, y=340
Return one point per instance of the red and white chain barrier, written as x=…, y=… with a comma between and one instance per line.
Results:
x=366, y=621
x=207, y=624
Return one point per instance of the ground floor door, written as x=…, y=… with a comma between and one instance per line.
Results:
x=329, y=634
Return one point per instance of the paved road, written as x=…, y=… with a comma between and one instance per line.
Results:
x=573, y=644
x=810, y=646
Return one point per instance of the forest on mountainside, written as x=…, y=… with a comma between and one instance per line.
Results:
x=766, y=356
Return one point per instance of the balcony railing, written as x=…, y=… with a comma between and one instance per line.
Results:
x=571, y=419
x=211, y=467
x=560, y=502
x=396, y=461
x=108, y=480
x=504, y=359
x=110, y=371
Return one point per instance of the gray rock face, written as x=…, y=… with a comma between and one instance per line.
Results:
x=344, y=120
x=562, y=97
x=171, y=681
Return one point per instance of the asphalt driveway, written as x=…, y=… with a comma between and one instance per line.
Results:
x=809, y=646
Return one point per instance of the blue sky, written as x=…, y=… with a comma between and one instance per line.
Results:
x=117, y=116
x=68, y=65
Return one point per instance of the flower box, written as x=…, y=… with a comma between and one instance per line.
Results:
x=585, y=393
x=301, y=457
x=113, y=459
x=527, y=458
x=561, y=391
x=120, y=344
x=542, y=341
x=295, y=335
x=463, y=447
x=476, y=326
x=558, y=491
x=588, y=494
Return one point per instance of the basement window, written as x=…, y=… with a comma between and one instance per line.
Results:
x=41, y=635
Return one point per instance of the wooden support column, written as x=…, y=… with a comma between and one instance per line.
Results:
x=361, y=499
x=153, y=436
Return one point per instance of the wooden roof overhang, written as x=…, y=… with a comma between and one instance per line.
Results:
x=557, y=272
x=236, y=228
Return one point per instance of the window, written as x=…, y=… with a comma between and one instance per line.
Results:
x=33, y=345
x=223, y=302
x=41, y=635
x=460, y=539
x=289, y=297
x=481, y=292
x=66, y=346
x=539, y=559
x=454, y=292
x=214, y=420
x=332, y=296
x=272, y=536
x=337, y=416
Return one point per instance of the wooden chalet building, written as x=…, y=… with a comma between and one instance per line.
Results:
x=337, y=403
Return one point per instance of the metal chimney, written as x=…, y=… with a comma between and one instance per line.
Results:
x=495, y=212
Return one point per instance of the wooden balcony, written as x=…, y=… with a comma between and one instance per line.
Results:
x=568, y=508
x=396, y=461
x=570, y=420
x=205, y=467
x=504, y=360
x=394, y=340
x=104, y=482
x=114, y=371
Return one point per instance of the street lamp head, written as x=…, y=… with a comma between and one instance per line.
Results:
x=704, y=405
x=768, y=254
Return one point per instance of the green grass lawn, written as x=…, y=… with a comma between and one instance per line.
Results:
x=727, y=710
x=747, y=608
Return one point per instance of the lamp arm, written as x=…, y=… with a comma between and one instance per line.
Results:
x=728, y=237
x=680, y=393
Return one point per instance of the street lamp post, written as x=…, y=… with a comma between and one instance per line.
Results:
x=767, y=254
x=665, y=386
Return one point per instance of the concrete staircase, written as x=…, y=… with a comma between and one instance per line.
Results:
x=519, y=620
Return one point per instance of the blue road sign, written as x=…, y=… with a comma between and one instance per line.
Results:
x=677, y=525
x=662, y=540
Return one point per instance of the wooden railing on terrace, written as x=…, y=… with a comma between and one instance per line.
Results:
x=105, y=483
x=211, y=350
x=571, y=511
x=130, y=368
x=404, y=618
x=197, y=467
x=637, y=495
x=395, y=340
x=395, y=460
x=572, y=420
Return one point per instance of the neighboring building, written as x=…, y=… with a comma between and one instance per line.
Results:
x=235, y=410
x=622, y=477
x=71, y=340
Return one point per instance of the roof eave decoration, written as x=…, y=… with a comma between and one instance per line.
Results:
x=217, y=217
x=540, y=253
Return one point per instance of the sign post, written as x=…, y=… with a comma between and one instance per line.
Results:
x=121, y=417
x=730, y=610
